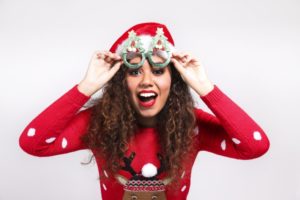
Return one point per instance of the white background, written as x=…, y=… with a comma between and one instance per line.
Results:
x=250, y=49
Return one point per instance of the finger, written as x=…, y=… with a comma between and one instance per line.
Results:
x=195, y=62
x=117, y=57
x=105, y=53
x=188, y=59
x=100, y=56
x=114, y=56
x=176, y=55
x=187, y=56
x=178, y=59
x=182, y=56
x=108, y=58
x=178, y=65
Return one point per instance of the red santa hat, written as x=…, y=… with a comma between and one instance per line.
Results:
x=146, y=32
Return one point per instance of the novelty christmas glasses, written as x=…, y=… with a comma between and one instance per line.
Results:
x=158, y=54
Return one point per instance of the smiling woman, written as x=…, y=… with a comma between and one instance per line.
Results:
x=144, y=131
x=149, y=89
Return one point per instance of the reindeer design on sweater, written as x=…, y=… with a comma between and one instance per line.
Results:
x=144, y=185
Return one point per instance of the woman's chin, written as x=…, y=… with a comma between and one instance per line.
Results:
x=149, y=114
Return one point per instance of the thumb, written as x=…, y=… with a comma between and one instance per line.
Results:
x=178, y=66
x=115, y=68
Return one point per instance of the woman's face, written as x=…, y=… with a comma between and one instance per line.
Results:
x=149, y=88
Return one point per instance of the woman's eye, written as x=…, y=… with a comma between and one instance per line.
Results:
x=134, y=72
x=158, y=71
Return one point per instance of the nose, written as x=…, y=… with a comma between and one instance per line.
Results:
x=146, y=80
x=147, y=76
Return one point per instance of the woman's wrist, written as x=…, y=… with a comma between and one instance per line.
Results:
x=204, y=88
x=87, y=88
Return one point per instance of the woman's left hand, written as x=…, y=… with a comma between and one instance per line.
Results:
x=192, y=72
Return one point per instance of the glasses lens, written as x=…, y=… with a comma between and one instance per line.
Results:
x=134, y=58
x=159, y=57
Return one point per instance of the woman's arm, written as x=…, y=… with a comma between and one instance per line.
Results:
x=231, y=132
x=58, y=128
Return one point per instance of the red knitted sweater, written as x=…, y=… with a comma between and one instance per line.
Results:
x=229, y=132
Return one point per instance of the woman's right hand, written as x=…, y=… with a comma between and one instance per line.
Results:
x=102, y=67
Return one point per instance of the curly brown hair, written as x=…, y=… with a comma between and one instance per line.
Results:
x=114, y=122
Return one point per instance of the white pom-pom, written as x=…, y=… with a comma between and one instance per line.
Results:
x=149, y=170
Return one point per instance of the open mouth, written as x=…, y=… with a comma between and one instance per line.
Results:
x=147, y=99
x=146, y=96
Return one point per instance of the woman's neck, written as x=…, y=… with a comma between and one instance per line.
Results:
x=147, y=122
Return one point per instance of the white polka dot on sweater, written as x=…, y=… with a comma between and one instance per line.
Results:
x=104, y=186
x=223, y=145
x=236, y=141
x=64, y=143
x=183, y=188
x=50, y=140
x=257, y=135
x=105, y=173
x=182, y=175
x=31, y=132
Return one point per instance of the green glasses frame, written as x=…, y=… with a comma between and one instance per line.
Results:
x=148, y=56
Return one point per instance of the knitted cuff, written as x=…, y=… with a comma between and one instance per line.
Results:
x=213, y=96
x=76, y=96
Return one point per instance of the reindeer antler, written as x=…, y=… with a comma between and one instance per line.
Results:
x=127, y=162
x=162, y=164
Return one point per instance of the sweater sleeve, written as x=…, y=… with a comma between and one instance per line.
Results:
x=57, y=130
x=230, y=131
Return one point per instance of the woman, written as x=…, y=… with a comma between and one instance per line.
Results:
x=144, y=131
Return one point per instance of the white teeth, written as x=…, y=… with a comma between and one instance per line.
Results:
x=147, y=94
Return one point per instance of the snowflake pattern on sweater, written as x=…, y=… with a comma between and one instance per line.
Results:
x=229, y=132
